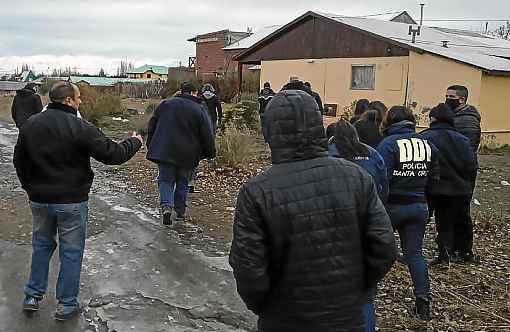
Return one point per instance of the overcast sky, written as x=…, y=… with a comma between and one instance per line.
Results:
x=94, y=33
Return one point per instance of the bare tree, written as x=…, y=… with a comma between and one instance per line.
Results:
x=503, y=31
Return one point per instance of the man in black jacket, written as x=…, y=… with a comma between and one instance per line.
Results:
x=52, y=160
x=212, y=104
x=265, y=96
x=310, y=234
x=316, y=96
x=179, y=135
x=467, y=118
x=451, y=196
x=25, y=104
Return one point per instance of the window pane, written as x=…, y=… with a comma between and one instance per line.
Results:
x=363, y=77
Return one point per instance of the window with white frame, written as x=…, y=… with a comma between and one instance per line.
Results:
x=363, y=77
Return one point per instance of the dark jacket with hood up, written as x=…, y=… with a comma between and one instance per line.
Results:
x=467, y=122
x=310, y=234
x=52, y=155
x=25, y=104
x=457, y=160
x=411, y=161
x=180, y=133
x=213, y=105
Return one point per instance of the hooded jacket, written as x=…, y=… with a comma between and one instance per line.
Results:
x=25, y=104
x=457, y=160
x=213, y=106
x=310, y=235
x=467, y=122
x=180, y=133
x=411, y=161
x=52, y=155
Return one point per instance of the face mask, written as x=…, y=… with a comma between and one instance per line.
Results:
x=453, y=103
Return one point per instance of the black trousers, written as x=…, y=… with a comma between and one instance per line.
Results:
x=453, y=224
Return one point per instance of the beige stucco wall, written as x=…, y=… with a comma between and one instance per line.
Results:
x=495, y=109
x=154, y=76
x=331, y=78
x=431, y=75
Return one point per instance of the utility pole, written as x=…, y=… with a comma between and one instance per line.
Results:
x=421, y=15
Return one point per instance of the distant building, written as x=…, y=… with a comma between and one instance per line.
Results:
x=404, y=17
x=211, y=58
x=348, y=58
x=149, y=72
x=25, y=76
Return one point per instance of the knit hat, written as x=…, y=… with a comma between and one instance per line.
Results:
x=442, y=113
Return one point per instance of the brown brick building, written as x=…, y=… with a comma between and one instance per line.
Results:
x=211, y=58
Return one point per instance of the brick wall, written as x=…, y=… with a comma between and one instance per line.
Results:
x=210, y=54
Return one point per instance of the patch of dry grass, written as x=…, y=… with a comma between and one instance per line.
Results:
x=5, y=108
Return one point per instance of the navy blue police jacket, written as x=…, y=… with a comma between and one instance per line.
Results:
x=411, y=162
x=457, y=160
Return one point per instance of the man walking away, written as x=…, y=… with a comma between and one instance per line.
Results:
x=52, y=160
x=316, y=96
x=467, y=117
x=451, y=196
x=179, y=135
x=25, y=104
x=212, y=104
x=265, y=96
x=310, y=235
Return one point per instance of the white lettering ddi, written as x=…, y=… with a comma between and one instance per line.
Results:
x=413, y=149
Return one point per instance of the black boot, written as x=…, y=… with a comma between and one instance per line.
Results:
x=440, y=260
x=422, y=309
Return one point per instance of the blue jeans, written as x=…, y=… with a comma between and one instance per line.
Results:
x=369, y=312
x=69, y=222
x=173, y=187
x=410, y=221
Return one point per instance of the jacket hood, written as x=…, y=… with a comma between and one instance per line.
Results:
x=295, y=130
x=208, y=95
x=25, y=92
x=402, y=127
x=468, y=110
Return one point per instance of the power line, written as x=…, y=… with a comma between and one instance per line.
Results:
x=380, y=14
x=465, y=20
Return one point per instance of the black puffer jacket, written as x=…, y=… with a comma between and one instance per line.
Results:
x=310, y=234
x=467, y=122
x=25, y=104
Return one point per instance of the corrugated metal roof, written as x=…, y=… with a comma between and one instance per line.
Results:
x=161, y=70
x=253, y=39
x=11, y=86
x=484, y=53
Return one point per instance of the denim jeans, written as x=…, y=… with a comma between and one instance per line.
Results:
x=69, y=223
x=369, y=312
x=410, y=221
x=173, y=187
